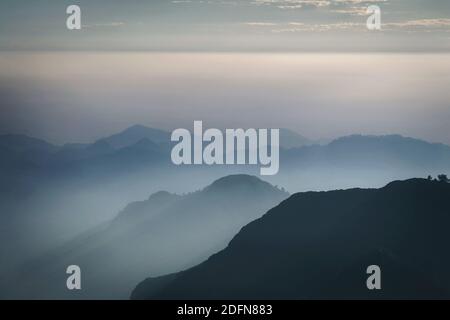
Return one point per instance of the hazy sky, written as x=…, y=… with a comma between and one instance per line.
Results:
x=307, y=65
x=218, y=25
x=82, y=96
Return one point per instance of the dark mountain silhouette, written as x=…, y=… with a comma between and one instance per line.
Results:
x=49, y=194
x=318, y=245
x=165, y=232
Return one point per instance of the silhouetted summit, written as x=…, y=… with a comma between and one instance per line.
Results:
x=241, y=183
x=319, y=245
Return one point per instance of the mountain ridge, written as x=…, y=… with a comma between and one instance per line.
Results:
x=315, y=245
x=164, y=232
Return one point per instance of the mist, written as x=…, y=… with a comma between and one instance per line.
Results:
x=80, y=97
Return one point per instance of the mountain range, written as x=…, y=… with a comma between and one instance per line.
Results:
x=355, y=160
x=50, y=194
x=318, y=245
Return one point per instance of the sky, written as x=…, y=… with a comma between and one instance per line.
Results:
x=307, y=65
x=226, y=25
x=78, y=97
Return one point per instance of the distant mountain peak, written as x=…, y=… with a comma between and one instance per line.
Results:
x=21, y=142
x=290, y=139
x=135, y=134
x=20, y=139
x=139, y=129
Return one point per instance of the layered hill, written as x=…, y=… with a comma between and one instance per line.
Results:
x=166, y=232
x=318, y=245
